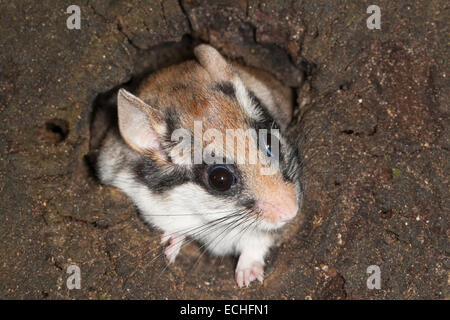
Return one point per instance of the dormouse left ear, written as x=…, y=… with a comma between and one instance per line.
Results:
x=139, y=123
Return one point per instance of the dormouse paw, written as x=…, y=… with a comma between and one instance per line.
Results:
x=174, y=242
x=248, y=273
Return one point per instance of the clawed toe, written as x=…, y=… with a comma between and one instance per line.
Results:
x=173, y=247
x=245, y=275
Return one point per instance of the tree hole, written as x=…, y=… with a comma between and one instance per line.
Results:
x=54, y=131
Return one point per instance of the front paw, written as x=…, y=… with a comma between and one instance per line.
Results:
x=173, y=247
x=246, y=273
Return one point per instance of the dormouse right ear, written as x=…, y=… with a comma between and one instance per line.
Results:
x=139, y=123
x=216, y=65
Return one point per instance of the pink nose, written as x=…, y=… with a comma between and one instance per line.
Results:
x=282, y=209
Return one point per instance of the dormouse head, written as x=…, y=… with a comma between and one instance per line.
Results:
x=209, y=144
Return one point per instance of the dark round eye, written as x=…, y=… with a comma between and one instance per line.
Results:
x=221, y=178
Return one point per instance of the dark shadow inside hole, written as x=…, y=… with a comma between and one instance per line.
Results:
x=345, y=86
x=54, y=131
x=386, y=213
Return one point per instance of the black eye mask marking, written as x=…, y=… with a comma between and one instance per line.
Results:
x=156, y=179
x=226, y=88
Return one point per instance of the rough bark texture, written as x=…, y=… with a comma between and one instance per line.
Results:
x=373, y=116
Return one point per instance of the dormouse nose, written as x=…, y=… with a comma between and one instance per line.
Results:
x=282, y=207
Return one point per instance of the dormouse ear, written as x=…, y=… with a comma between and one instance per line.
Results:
x=138, y=122
x=216, y=65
